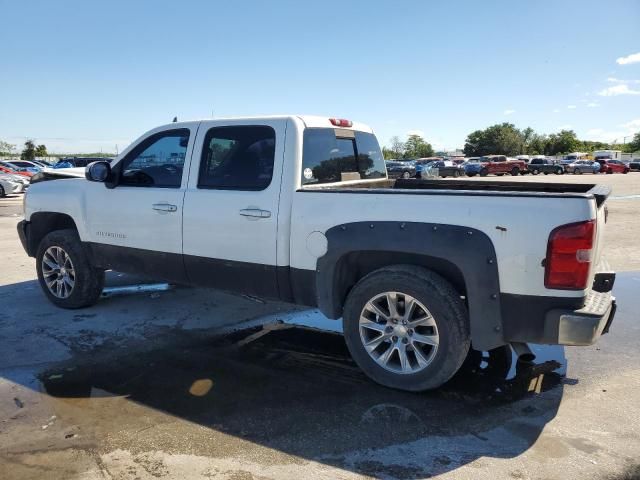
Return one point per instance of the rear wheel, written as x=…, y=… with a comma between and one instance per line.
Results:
x=2, y=192
x=515, y=171
x=535, y=171
x=625, y=171
x=484, y=172
x=456, y=174
x=65, y=273
x=609, y=172
x=406, y=327
x=559, y=171
x=406, y=175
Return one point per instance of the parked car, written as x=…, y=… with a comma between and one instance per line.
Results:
x=582, y=166
x=472, y=166
x=444, y=169
x=417, y=271
x=400, y=169
x=8, y=186
x=612, y=166
x=634, y=165
x=500, y=165
x=16, y=171
x=544, y=165
x=31, y=166
x=74, y=162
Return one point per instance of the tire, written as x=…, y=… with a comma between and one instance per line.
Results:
x=515, y=171
x=546, y=173
x=559, y=171
x=2, y=192
x=449, y=324
x=577, y=171
x=471, y=174
x=484, y=172
x=406, y=175
x=535, y=171
x=625, y=171
x=87, y=280
x=456, y=174
x=609, y=172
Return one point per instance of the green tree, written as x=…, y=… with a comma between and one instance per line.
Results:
x=417, y=147
x=41, y=151
x=634, y=145
x=504, y=139
x=6, y=148
x=29, y=151
x=563, y=142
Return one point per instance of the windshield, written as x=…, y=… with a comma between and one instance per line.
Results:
x=334, y=155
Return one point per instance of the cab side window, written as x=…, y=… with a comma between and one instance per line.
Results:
x=238, y=158
x=157, y=162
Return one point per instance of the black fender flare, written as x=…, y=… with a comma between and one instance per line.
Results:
x=469, y=250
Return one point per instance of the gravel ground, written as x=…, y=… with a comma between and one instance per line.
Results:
x=156, y=385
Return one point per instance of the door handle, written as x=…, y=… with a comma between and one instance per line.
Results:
x=165, y=207
x=255, y=213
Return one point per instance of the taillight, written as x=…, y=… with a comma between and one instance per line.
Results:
x=569, y=256
x=340, y=122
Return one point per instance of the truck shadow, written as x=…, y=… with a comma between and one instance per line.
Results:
x=296, y=390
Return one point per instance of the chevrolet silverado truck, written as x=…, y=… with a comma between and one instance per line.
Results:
x=501, y=165
x=300, y=209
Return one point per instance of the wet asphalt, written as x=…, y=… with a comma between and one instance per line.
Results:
x=141, y=386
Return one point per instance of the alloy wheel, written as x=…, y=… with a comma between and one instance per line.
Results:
x=58, y=272
x=398, y=332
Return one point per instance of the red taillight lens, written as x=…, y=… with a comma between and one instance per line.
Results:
x=340, y=122
x=569, y=253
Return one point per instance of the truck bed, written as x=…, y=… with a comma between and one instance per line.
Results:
x=473, y=187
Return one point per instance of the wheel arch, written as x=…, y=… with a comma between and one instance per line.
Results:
x=42, y=223
x=463, y=256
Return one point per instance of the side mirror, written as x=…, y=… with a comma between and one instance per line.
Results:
x=98, y=171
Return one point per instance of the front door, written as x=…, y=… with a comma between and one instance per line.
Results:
x=231, y=207
x=137, y=226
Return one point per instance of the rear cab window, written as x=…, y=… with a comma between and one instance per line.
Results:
x=337, y=155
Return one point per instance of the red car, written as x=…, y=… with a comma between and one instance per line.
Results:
x=500, y=165
x=612, y=166
x=24, y=173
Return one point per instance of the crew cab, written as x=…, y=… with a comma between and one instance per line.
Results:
x=501, y=165
x=544, y=165
x=300, y=209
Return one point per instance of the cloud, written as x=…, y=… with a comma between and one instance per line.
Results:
x=593, y=104
x=621, y=89
x=629, y=59
x=601, y=135
x=633, y=125
x=556, y=110
x=618, y=80
x=509, y=111
x=571, y=107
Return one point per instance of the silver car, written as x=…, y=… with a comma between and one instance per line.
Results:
x=582, y=166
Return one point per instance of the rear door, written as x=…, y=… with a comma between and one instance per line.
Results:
x=231, y=206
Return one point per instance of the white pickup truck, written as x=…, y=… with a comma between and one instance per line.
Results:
x=300, y=209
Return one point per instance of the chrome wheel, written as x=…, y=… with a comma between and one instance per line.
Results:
x=398, y=332
x=58, y=272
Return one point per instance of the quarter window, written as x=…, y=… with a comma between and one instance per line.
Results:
x=238, y=158
x=157, y=162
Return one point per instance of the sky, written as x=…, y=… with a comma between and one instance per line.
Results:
x=93, y=76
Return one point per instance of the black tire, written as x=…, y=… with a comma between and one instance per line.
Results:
x=625, y=171
x=89, y=281
x=535, y=171
x=546, y=173
x=444, y=304
x=559, y=171
x=456, y=174
x=2, y=192
x=577, y=171
x=609, y=172
x=406, y=175
x=471, y=174
x=484, y=172
x=515, y=171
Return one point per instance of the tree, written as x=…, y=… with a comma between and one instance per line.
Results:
x=397, y=147
x=29, y=151
x=563, y=142
x=634, y=144
x=41, y=151
x=417, y=147
x=6, y=147
x=503, y=139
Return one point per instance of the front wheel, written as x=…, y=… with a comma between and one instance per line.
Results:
x=559, y=171
x=65, y=273
x=535, y=171
x=625, y=171
x=515, y=171
x=406, y=328
x=406, y=175
x=484, y=172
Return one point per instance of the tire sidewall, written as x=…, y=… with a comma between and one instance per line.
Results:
x=88, y=280
x=447, y=359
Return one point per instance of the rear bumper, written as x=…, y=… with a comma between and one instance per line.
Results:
x=560, y=320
